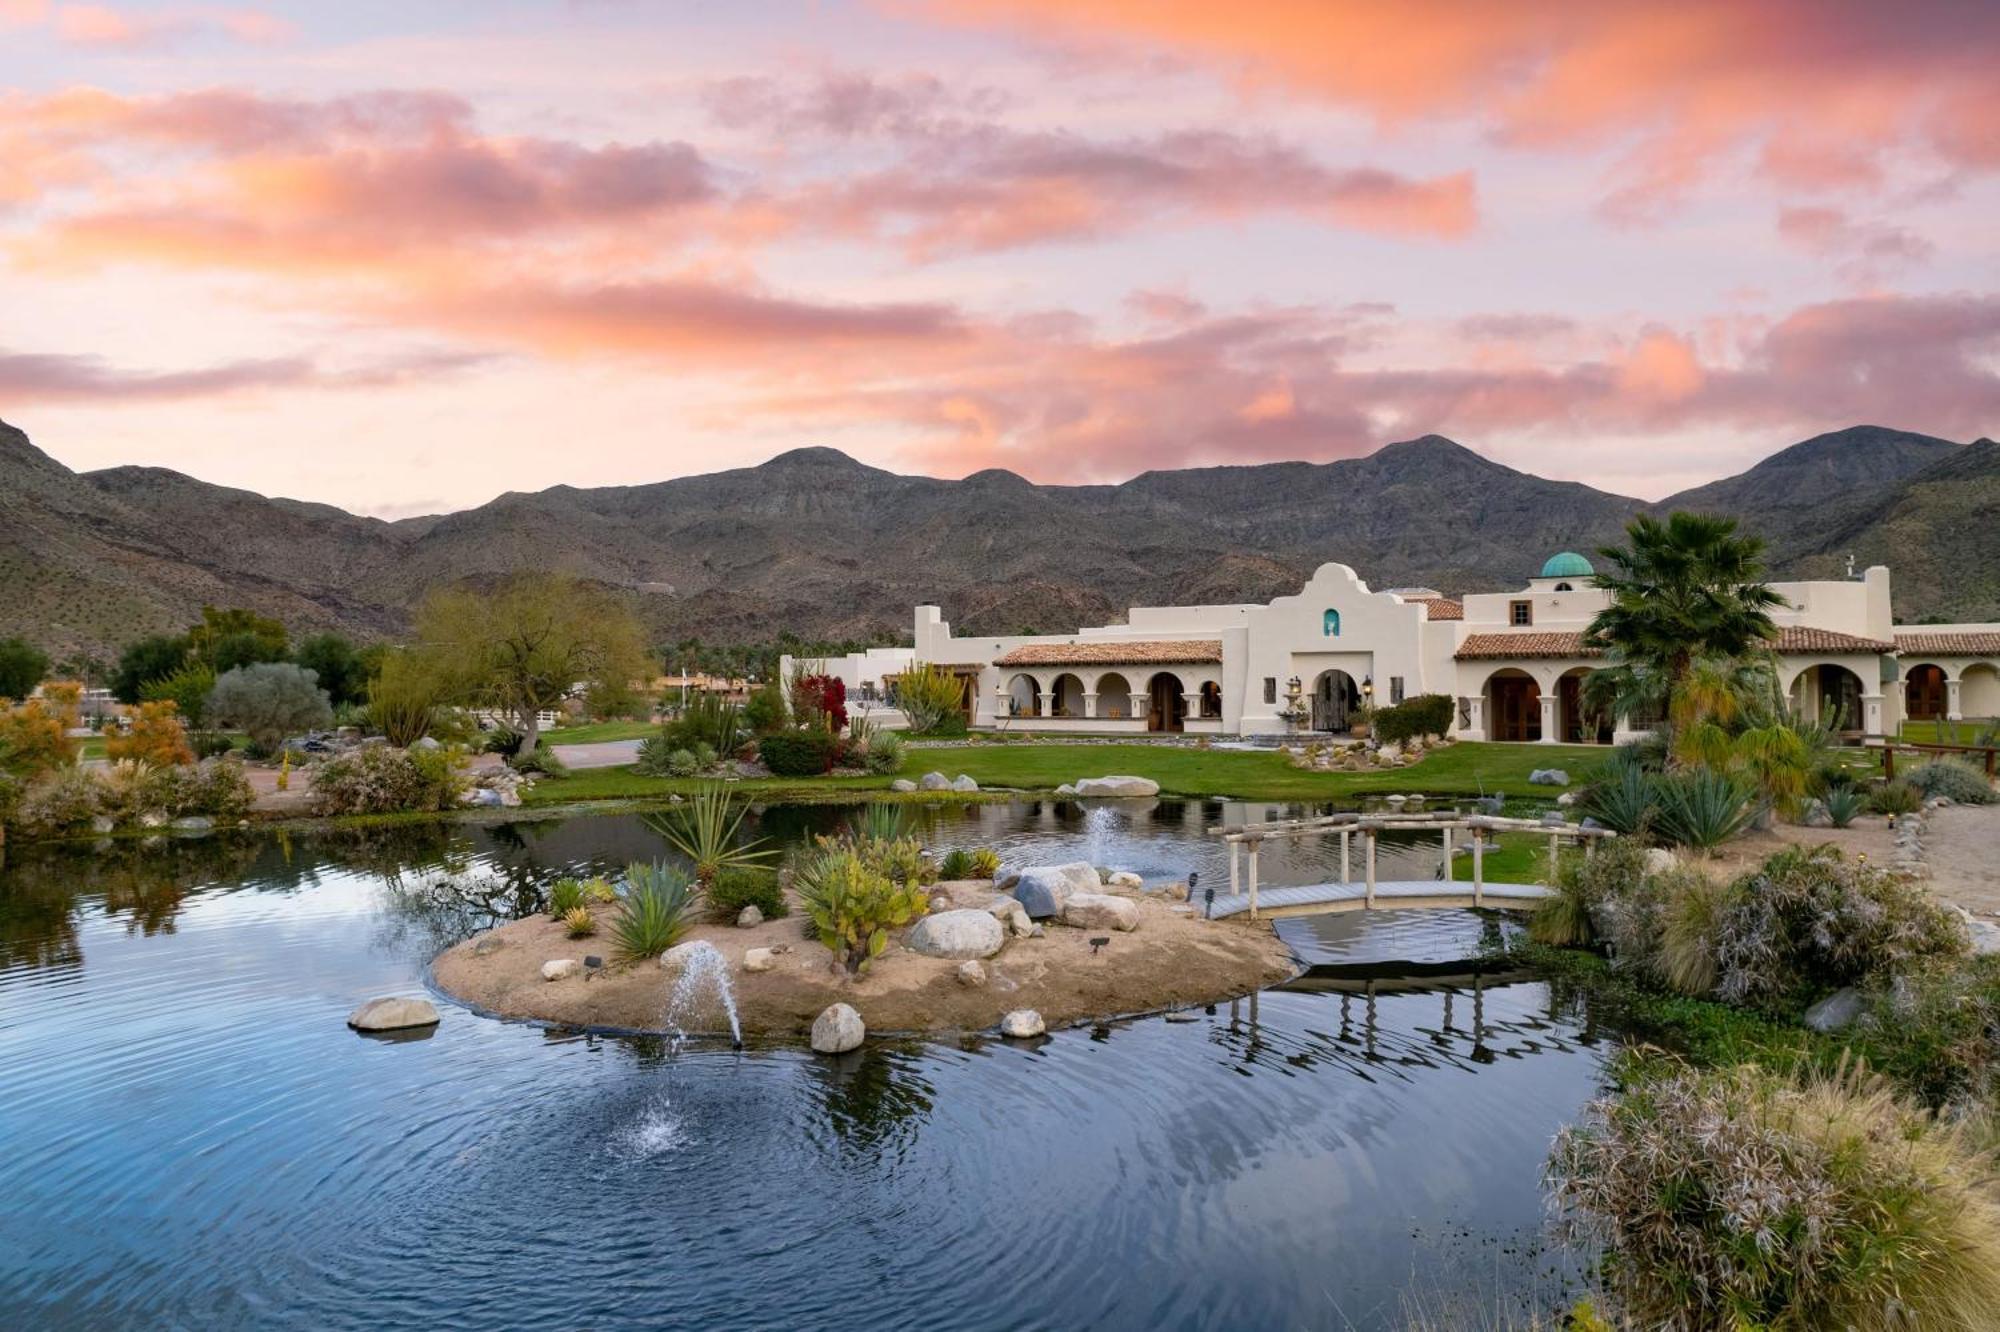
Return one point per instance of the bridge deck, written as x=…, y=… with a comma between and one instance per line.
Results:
x=1315, y=899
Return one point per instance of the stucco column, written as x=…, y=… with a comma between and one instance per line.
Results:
x=1549, y=736
x=1140, y=705
x=1191, y=705
x=1090, y=702
x=1044, y=699
x=1951, y=712
x=1475, y=717
x=1871, y=714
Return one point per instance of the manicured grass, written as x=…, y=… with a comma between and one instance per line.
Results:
x=1462, y=769
x=599, y=731
x=1511, y=858
x=1944, y=732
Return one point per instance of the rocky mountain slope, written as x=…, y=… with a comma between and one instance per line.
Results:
x=815, y=542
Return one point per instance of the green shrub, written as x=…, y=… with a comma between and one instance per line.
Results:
x=932, y=699
x=541, y=760
x=1427, y=715
x=1843, y=804
x=884, y=754
x=268, y=701
x=740, y=886
x=957, y=864
x=579, y=922
x=376, y=779
x=565, y=896
x=655, y=916
x=853, y=908
x=1744, y=1199
x=1583, y=884
x=708, y=719
x=1701, y=808
x=210, y=744
x=504, y=741
x=704, y=755
x=985, y=863
x=796, y=753
x=765, y=710
x=655, y=758
x=683, y=763
x=1952, y=780
x=1897, y=797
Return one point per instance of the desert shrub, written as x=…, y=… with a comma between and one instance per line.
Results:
x=565, y=895
x=215, y=788
x=985, y=863
x=1897, y=797
x=1623, y=798
x=1810, y=920
x=1583, y=884
x=796, y=753
x=59, y=801
x=1701, y=808
x=657, y=902
x=1952, y=780
x=1936, y=1032
x=154, y=735
x=853, y=908
x=34, y=740
x=708, y=719
x=654, y=754
x=957, y=864
x=402, y=707
x=1691, y=921
x=1744, y=1199
x=1424, y=715
x=376, y=779
x=1844, y=804
x=884, y=754
x=269, y=701
x=706, y=829
x=579, y=922
x=931, y=698
x=22, y=666
x=541, y=760
x=740, y=886
x=704, y=755
x=503, y=740
x=187, y=689
x=683, y=763
x=765, y=709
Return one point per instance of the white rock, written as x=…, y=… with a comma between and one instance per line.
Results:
x=971, y=972
x=838, y=1030
x=676, y=957
x=964, y=783
x=1066, y=790
x=1659, y=860
x=1101, y=911
x=902, y=784
x=934, y=781
x=956, y=934
x=1175, y=892
x=1010, y=913
x=560, y=968
x=750, y=917
x=1022, y=1023
x=1567, y=798
x=1115, y=787
x=1125, y=879
x=1043, y=889
x=393, y=1014
x=759, y=959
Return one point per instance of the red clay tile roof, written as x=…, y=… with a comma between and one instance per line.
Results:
x=1113, y=652
x=1792, y=640
x=1441, y=608
x=1978, y=644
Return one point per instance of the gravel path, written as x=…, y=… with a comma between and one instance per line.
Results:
x=1963, y=847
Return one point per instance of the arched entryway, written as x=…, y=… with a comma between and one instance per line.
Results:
x=1924, y=693
x=1513, y=706
x=1830, y=694
x=1066, y=694
x=1211, y=699
x=1578, y=724
x=1979, y=691
x=1167, y=703
x=1335, y=697
x=1024, y=696
x=1114, y=696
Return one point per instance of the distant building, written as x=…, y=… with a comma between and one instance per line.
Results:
x=1514, y=662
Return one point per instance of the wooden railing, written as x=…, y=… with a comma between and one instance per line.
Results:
x=1989, y=753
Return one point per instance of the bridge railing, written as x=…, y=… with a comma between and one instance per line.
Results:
x=1248, y=838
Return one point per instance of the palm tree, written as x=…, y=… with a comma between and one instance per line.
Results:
x=1686, y=590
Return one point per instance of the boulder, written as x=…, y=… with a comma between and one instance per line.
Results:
x=1125, y=879
x=193, y=823
x=902, y=784
x=964, y=783
x=1066, y=790
x=838, y=1030
x=961, y=934
x=938, y=900
x=482, y=796
x=750, y=917
x=934, y=781
x=1658, y=860
x=393, y=1014
x=759, y=959
x=1175, y=892
x=1043, y=889
x=971, y=973
x=676, y=957
x=1567, y=798
x=560, y=968
x=1101, y=911
x=1022, y=1024
x=1011, y=914
x=1117, y=787
x=1548, y=777
x=1815, y=815
x=426, y=743
x=1837, y=1011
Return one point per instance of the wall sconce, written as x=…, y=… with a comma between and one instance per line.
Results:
x=1367, y=686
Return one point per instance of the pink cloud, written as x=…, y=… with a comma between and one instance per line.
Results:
x=44, y=378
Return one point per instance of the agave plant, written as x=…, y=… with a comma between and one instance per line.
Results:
x=658, y=900
x=706, y=829
x=1844, y=804
x=1624, y=800
x=1702, y=808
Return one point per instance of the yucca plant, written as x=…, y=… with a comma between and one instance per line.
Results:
x=853, y=908
x=658, y=900
x=1702, y=808
x=706, y=829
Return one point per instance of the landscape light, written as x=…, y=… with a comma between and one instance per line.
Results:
x=1098, y=943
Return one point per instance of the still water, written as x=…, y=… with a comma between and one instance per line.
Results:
x=190, y=1136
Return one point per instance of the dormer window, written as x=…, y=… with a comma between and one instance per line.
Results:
x=1521, y=613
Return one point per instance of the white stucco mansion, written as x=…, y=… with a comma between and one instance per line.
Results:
x=1513, y=661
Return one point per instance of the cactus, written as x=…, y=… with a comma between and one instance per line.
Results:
x=854, y=908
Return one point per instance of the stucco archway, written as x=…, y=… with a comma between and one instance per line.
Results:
x=1513, y=706
x=1334, y=699
x=1024, y=696
x=1066, y=696
x=1114, y=695
x=1979, y=690
x=1576, y=724
x=1166, y=708
x=1924, y=693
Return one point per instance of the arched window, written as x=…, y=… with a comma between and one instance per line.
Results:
x=1564, y=587
x=1330, y=624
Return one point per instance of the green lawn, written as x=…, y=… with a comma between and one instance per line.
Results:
x=1463, y=769
x=599, y=731
x=1944, y=732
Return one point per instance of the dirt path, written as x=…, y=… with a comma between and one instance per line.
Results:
x=1963, y=847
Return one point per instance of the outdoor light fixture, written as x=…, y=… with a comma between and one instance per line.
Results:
x=1208, y=897
x=1367, y=686
x=1098, y=943
x=591, y=963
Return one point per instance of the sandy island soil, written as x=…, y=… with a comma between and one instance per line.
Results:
x=1169, y=961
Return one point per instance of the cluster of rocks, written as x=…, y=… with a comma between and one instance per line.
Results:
x=1906, y=856
x=496, y=788
x=936, y=781
x=1548, y=777
x=1360, y=755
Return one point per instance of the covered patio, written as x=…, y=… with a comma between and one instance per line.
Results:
x=1113, y=686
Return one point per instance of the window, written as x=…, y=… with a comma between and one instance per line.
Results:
x=1211, y=699
x=1521, y=612
x=1564, y=587
x=1329, y=624
x=1395, y=690
x=1270, y=689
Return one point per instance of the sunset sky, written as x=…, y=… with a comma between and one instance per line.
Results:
x=403, y=257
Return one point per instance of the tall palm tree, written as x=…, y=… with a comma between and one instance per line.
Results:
x=1684, y=590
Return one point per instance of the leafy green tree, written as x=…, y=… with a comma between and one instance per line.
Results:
x=338, y=663
x=1685, y=590
x=226, y=639
x=187, y=688
x=525, y=647
x=22, y=666
x=269, y=700
x=148, y=659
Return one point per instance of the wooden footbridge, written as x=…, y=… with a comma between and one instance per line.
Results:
x=1245, y=839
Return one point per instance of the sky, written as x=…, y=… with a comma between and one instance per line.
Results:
x=404, y=257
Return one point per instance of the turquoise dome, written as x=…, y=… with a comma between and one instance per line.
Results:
x=1568, y=564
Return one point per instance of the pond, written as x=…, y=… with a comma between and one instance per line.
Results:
x=194, y=1139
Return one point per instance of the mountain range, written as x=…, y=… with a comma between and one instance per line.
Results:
x=827, y=547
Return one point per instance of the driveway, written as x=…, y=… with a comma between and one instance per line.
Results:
x=603, y=754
